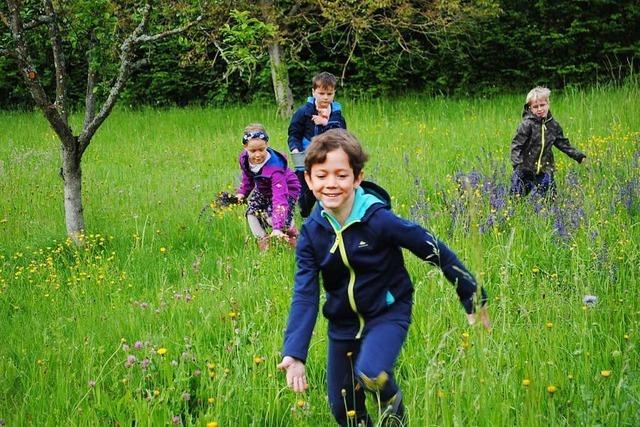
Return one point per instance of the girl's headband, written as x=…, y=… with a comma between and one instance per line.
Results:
x=254, y=135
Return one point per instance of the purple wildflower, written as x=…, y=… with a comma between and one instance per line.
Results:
x=137, y=345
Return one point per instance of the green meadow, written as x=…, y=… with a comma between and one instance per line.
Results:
x=169, y=315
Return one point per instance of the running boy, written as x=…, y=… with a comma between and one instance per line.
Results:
x=531, y=154
x=274, y=188
x=319, y=114
x=353, y=241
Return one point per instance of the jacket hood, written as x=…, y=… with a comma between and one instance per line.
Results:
x=369, y=197
x=335, y=106
x=277, y=158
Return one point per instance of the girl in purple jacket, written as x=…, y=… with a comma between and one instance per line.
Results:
x=271, y=187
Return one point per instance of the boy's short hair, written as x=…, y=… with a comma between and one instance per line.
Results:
x=324, y=79
x=335, y=139
x=538, y=92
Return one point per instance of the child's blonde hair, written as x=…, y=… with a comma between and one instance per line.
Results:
x=538, y=92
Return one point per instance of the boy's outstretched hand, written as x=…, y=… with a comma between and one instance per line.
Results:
x=294, y=368
x=481, y=314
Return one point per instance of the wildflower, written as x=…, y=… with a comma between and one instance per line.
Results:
x=549, y=325
x=526, y=382
x=125, y=347
x=92, y=383
x=626, y=337
x=145, y=363
x=211, y=366
x=162, y=351
x=163, y=249
x=606, y=373
x=156, y=392
x=176, y=420
x=590, y=300
x=300, y=403
x=131, y=359
x=441, y=393
x=351, y=413
x=535, y=270
x=174, y=363
x=186, y=396
x=211, y=400
x=138, y=345
x=465, y=335
x=212, y=424
x=197, y=373
x=551, y=389
x=232, y=314
x=257, y=360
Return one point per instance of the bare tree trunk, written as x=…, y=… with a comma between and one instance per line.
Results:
x=280, y=78
x=72, y=177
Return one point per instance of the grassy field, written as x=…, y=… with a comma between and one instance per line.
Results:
x=169, y=317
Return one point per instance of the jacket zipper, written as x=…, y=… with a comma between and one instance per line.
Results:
x=544, y=127
x=339, y=243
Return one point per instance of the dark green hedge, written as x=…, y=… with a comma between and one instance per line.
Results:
x=555, y=43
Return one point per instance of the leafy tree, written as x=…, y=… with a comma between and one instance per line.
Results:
x=110, y=35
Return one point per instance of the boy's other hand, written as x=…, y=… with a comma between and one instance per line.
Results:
x=483, y=315
x=296, y=379
x=240, y=197
x=295, y=150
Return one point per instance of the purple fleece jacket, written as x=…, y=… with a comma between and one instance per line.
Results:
x=275, y=181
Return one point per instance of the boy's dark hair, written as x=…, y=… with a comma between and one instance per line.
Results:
x=324, y=79
x=331, y=140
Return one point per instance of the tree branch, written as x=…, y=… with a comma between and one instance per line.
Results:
x=127, y=66
x=59, y=62
x=40, y=20
x=31, y=78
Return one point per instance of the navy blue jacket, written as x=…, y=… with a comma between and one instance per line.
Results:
x=362, y=269
x=302, y=128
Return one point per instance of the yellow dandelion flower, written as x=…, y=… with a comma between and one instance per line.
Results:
x=300, y=403
x=551, y=389
x=211, y=400
x=163, y=249
x=211, y=365
x=351, y=413
x=257, y=360
x=441, y=393
x=606, y=373
x=212, y=424
x=626, y=337
x=349, y=354
x=232, y=314
x=156, y=392
x=526, y=382
x=465, y=335
x=549, y=325
x=535, y=270
x=162, y=351
x=570, y=377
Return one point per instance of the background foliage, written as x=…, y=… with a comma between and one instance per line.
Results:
x=560, y=43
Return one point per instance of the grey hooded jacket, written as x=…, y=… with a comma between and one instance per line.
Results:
x=531, y=146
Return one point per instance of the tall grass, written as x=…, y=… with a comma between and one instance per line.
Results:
x=166, y=316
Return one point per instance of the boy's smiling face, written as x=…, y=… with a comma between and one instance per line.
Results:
x=539, y=107
x=333, y=183
x=324, y=96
